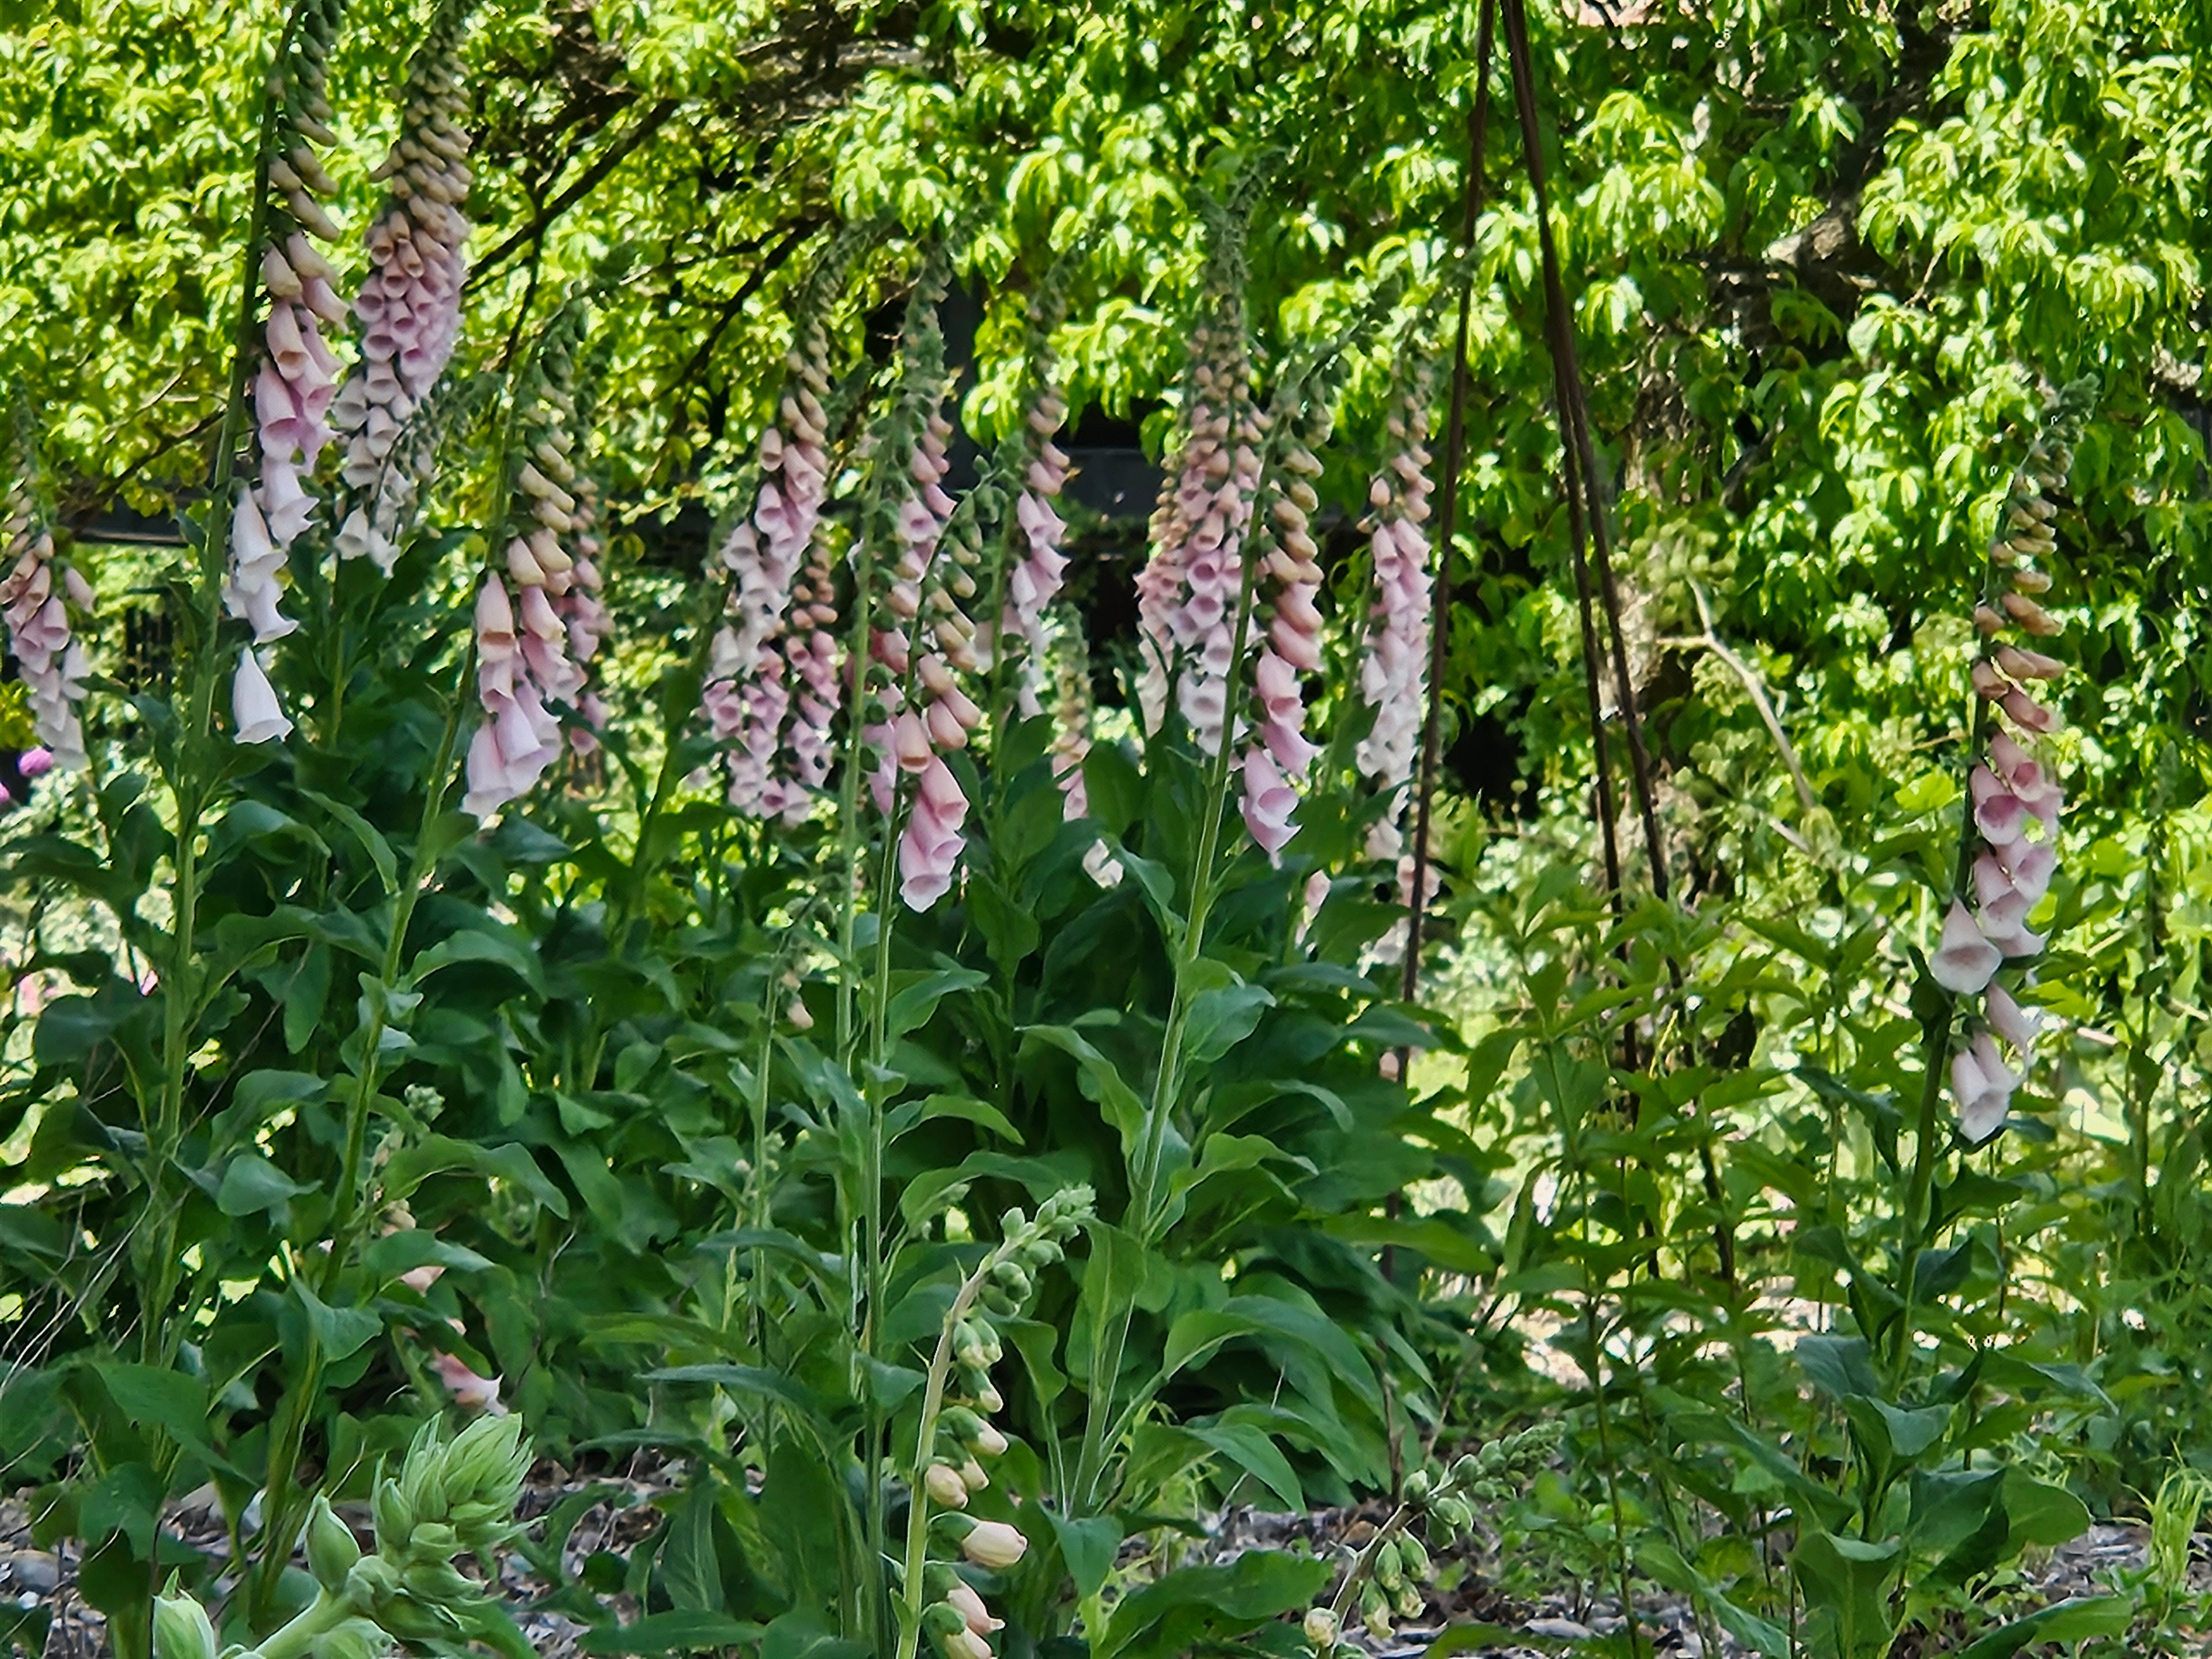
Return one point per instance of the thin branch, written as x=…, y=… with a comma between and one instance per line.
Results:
x=1756, y=689
x=609, y=159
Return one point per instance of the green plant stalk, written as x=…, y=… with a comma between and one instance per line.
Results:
x=284, y=1498
x=299, y=1636
x=628, y=902
x=850, y=837
x=1113, y=1335
x=1913, y=1221
x=918, y=1506
x=1363, y=1565
x=158, y=1332
x=867, y=1226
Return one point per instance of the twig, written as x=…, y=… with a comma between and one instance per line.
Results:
x=1756, y=689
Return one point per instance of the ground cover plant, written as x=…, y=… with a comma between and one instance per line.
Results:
x=1572, y=958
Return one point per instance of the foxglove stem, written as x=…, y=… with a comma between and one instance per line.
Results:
x=298, y=375
x=160, y=1333
x=2023, y=533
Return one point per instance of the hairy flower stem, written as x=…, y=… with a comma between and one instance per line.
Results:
x=867, y=1284
x=283, y=1499
x=912, y=1589
x=1111, y=1334
x=300, y=1636
x=159, y=1333
x=1913, y=1217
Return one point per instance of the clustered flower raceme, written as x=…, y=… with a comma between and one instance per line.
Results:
x=1393, y=669
x=1187, y=592
x=958, y=1432
x=298, y=375
x=2013, y=808
x=1220, y=474
x=451, y=1497
x=523, y=660
x=1275, y=763
x=1034, y=581
x=409, y=305
x=37, y=595
x=748, y=697
x=1386, y=1581
x=584, y=614
x=928, y=596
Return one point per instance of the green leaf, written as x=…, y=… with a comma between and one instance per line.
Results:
x=1087, y=1546
x=476, y=945
x=2081, y=1618
x=340, y=1331
x=1254, y=1450
x=1171, y=1617
x=436, y=1154
x=689, y=1571
x=1102, y=1081
x=372, y=840
x=1222, y=1017
x=685, y=1630
x=918, y=994
x=744, y=1379
x=252, y=1185
x=966, y=1107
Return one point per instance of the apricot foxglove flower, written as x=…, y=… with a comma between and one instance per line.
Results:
x=994, y=1544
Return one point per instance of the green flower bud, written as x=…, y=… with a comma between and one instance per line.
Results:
x=1409, y=1601
x=395, y=1517
x=434, y=1540
x=1388, y=1573
x=1413, y=1555
x=487, y=1461
x=1374, y=1611
x=941, y=1619
x=1417, y=1485
x=959, y=1424
x=331, y=1546
x=1320, y=1631
x=435, y=1583
x=1452, y=1514
x=372, y=1584
x=996, y=1299
x=181, y=1629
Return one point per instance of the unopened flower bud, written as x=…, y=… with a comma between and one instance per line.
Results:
x=945, y=1487
x=331, y=1547
x=994, y=1544
x=182, y=1629
x=1320, y=1631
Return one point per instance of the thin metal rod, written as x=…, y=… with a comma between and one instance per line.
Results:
x=1575, y=437
x=1417, y=900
